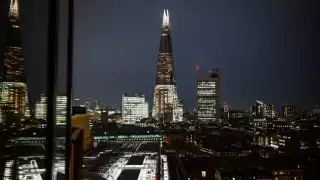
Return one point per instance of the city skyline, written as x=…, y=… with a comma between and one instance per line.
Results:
x=220, y=46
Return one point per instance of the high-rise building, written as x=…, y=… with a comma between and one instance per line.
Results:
x=288, y=111
x=41, y=108
x=165, y=101
x=134, y=108
x=13, y=88
x=270, y=111
x=258, y=109
x=208, y=96
x=261, y=110
x=61, y=109
x=61, y=106
x=179, y=111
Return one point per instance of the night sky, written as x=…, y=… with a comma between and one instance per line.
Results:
x=265, y=49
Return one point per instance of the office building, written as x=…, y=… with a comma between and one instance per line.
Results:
x=41, y=108
x=13, y=88
x=208, y=96
x=270, y=111
x=236, y=114
x=258, y=109
x=288, y=111
x=178, y=113
x=261, y=110
x=61, y=109
x=165, y=103
x=61, y=113
x=134, y=108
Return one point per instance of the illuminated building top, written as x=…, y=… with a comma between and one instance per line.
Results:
x=165, y=20
x=165, y=71
x=13, y=60
x=166, y=105
x=14, y=9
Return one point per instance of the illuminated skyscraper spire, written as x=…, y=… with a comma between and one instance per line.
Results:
x=14, y=9
x=165, y=105
x=165, y=19
x=13, y=88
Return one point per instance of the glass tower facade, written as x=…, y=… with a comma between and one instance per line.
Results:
x=13, y=86
x=41, y=108
x=165, y=104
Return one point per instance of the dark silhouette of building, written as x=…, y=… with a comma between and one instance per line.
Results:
x=79, y=110
x=104, y=117
x=288, y=111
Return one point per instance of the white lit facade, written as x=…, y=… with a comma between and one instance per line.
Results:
x=13, y=98
x=166, y=104
x=61, y=109
x=208, y=97
x=134, y=108
x=166, y=107
x=178, y=112
x=41, y=108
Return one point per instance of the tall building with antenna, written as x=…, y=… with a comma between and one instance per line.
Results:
x=13, y=88
x=166, y=107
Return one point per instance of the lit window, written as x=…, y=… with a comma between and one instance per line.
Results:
x=203, y=173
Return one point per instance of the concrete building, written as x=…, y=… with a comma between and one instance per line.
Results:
x=208, y=96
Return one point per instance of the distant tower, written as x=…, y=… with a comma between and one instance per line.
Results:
x=166, y=101
x=288, y=111
x=208, y=96
x=13, y=88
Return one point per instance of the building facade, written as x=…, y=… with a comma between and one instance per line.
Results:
x=165, y=103
x=61, y=109
x=134, y=108
x=258, y=109
x=13, y=86
x=288, y=111
x=261, y=110
x=61, y=113
x=208, y=96
x=41, y=108
x=271, y=111
x=236, y=114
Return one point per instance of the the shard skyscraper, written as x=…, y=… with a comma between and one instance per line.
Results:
x=13, y=80
x=166, y=106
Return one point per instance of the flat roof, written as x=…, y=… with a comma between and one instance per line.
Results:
x=129, y=174
x=136, y=160
x=149, y=147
